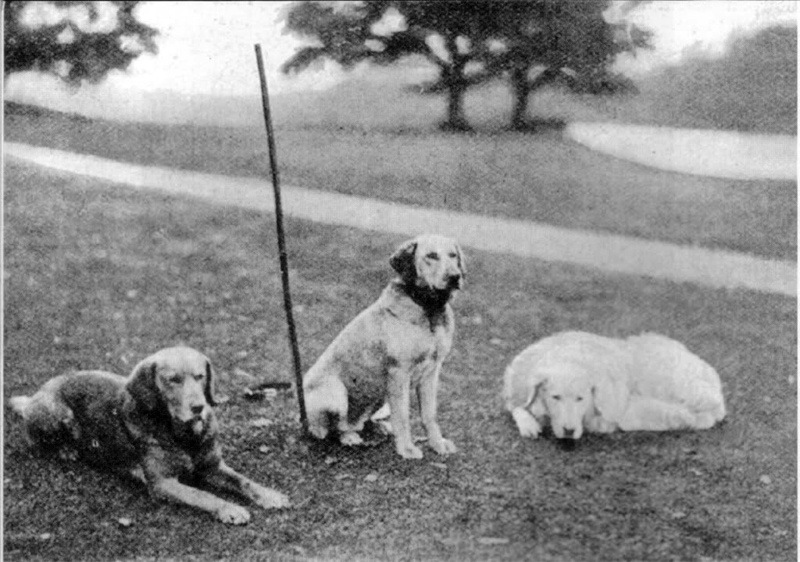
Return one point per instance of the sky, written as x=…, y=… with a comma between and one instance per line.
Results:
x=206, y=48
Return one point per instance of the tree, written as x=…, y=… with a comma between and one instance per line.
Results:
x=567, y=40
x=346, y=34
x=478, y=40
x=76, y=41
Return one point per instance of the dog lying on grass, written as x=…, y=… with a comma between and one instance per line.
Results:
x=584, y=382
x=157, y=426
x=397, y=343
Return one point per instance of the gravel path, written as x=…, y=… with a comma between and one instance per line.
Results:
x=608, y=252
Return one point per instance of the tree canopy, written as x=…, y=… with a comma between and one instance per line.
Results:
x=532, y=42
x=542, y=41
x=348, y=34
x=76, y=41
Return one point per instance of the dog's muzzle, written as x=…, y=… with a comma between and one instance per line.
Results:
x=454, y=281
x=196, y=424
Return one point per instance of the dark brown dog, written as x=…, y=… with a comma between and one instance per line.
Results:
x=157, y=425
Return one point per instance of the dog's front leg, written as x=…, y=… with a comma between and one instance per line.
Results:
x=227, y=512
x=427, y=393
x=399, y=390
x=526, y=423
x=225, y=478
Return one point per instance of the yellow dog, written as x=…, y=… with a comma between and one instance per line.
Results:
x=396, y=344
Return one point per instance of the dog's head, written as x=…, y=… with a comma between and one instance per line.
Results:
x=568, y=399
x=179, y=380
x=571, y=395
x=430, y=262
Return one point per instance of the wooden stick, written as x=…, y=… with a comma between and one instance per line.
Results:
x=287, y=298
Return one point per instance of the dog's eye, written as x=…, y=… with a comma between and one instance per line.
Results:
x=556, y=397
x=453, y=255
x=579, y=399
x=177, y=379
x=432, y=256
x=199, y=376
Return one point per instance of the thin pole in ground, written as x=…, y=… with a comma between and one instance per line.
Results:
x=287, y=298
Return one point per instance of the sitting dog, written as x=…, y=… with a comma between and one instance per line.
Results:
x=580, y=381
x=157, y=426
x=397, y=343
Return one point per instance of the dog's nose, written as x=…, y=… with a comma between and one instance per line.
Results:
x=454, y=279
x=569, y=432
x=197, y=409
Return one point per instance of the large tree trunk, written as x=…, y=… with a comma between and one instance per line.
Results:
x=453, y=77
x=456, y=121
x=521, y=88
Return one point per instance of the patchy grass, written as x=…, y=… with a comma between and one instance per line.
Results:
x=539, y=177
x=97, y=276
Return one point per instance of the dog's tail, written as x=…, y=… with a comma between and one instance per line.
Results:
x=20, y=404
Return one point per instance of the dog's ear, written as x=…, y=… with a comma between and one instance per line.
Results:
x=536, y=392
x=141, y=385
x=402, y=260
x=211, y=384
x=610, y=397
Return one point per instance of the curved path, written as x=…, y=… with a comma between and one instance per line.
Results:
x=720, y=154
x=715, y=268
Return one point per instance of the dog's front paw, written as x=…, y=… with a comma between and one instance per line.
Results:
x=443, y=447
x=233, y=514
x=351, y=439
x=526, y=423
x=271, y=499
x=409, y=451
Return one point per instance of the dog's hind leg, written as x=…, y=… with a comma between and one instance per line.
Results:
x=706, y=418
x=349, y=432
x=49, y=422
x=323, y=402
x=650, y=414
x=381, y=419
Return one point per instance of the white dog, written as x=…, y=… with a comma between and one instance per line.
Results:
x=580, y=381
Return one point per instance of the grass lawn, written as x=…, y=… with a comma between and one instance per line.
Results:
x=384, y=151
x=98, y=277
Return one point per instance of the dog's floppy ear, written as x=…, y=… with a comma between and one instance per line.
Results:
x=610, y=397
x=141, y=385
x=211, y=384
x=402, y=260
x=535, y=392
